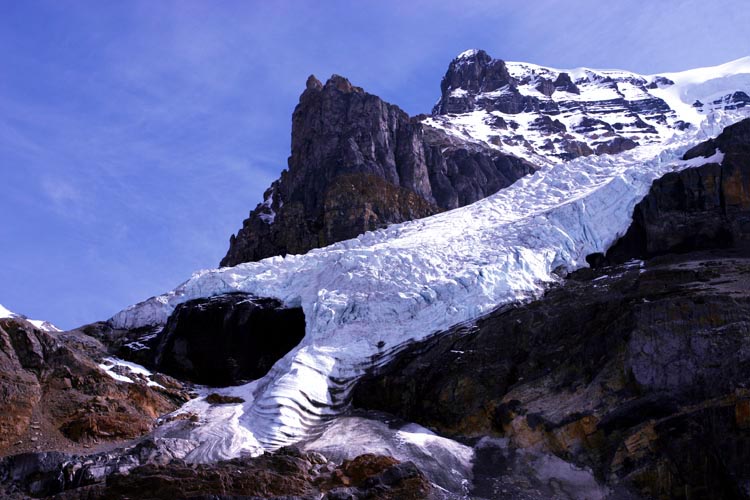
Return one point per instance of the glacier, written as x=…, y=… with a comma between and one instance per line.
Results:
x=365, y=299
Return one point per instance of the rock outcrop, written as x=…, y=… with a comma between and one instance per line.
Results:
x=637, y=373
x=227, y=339
x=547, y=114
x=357, y=164
x=695, y=208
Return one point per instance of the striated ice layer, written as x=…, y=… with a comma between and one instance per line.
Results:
x=366, y=298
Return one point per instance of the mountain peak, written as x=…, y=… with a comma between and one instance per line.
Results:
x=472, y=72
x=6, y=313
x=313, y=83
x=342, y=84
x=477, y=54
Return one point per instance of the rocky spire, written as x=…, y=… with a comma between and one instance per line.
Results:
x=359, y=163
x=469, y=74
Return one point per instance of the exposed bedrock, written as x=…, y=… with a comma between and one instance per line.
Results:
x=227, y=339
x=475, y=81
x=357, y=164
x=641, y=375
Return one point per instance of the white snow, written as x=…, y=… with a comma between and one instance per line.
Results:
x=44, y=325
x=366, y=298
x=219, y=432
x=40, y=324
x=705, y=85
x=601, y=98
x=270, y=215
x=109, y=364
x=467, y=53
x=5, y=313
x=444, y=461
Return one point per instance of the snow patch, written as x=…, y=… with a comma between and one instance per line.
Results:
x=109, y=364
x=467, y=54
x=44, y=325
x=445, y=462
x=37, y=323
x=269, y=216
x=6, y=313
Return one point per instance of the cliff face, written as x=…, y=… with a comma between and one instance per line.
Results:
x=696, y=208
x=359, y=164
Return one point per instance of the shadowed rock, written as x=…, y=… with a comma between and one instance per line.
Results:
x=227, y=339
x=358, y=164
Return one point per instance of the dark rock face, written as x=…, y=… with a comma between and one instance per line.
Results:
x=287, y=473
x=696, y=208
x=474, y=73
x=563, y=83
x=359, y=164
x=227, y=339
x=462, y=173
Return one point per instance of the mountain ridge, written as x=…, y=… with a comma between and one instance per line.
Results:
x=358, y=163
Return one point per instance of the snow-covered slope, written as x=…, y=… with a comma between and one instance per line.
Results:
x=42, y=325
x=547, y=114
x=5, y=313
x=366, y=298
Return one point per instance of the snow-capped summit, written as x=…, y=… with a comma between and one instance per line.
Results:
x=466, y=54
x=5, y=313
x=42, y=325
x=546, y=115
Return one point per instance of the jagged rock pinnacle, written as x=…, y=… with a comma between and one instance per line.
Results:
x=313, y=83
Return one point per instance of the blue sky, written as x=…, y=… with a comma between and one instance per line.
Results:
x=135, y=136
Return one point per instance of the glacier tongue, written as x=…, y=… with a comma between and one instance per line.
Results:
x=365, y=298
